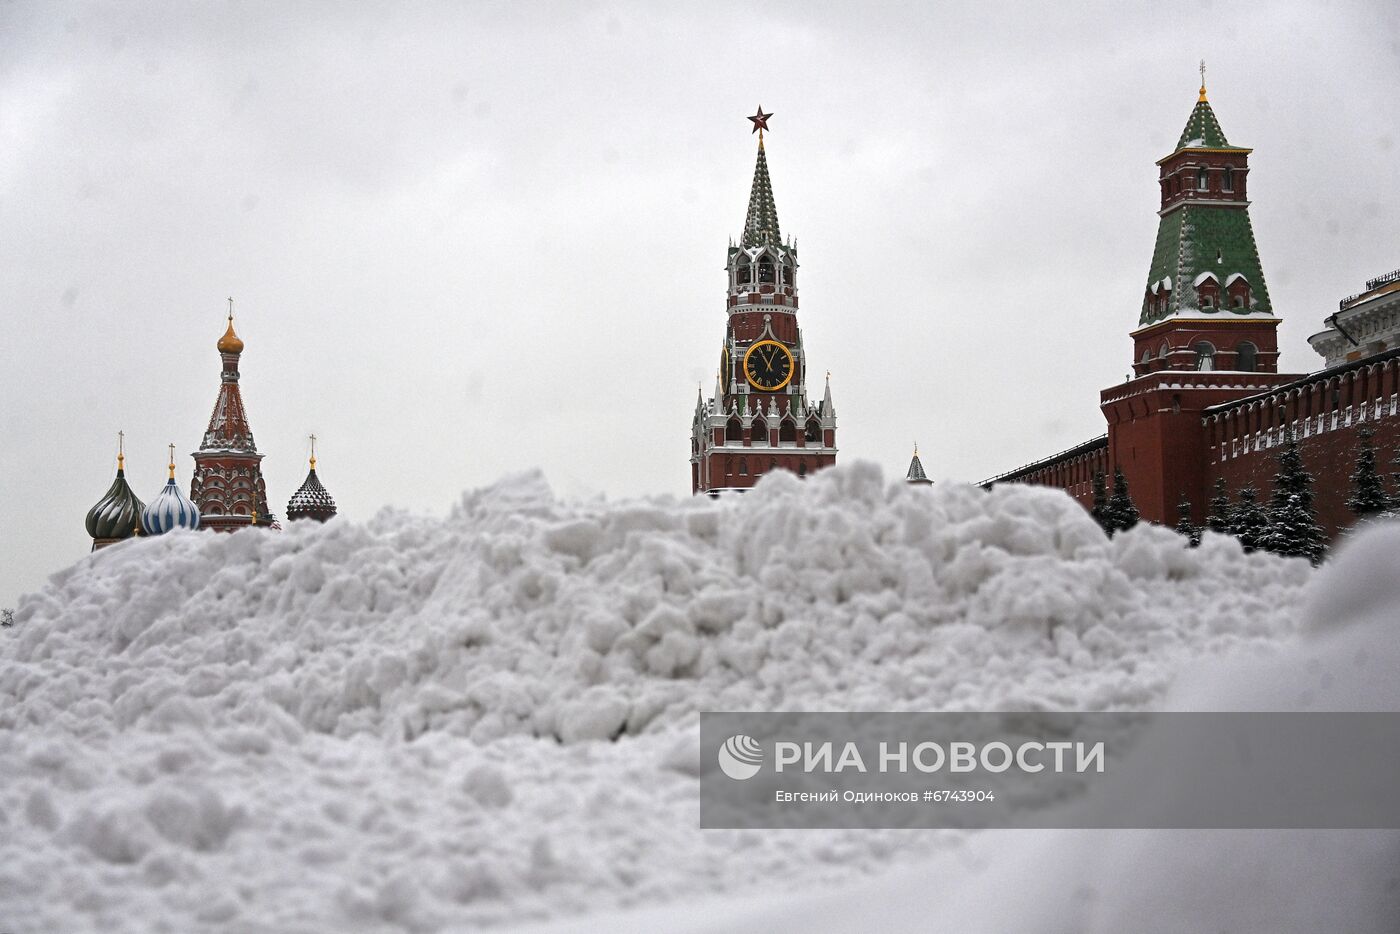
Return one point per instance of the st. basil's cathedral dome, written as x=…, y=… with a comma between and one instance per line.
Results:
x=117, y=515
x=171, y=508
x=311, y=500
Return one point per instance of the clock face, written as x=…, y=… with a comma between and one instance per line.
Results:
x=768, y=365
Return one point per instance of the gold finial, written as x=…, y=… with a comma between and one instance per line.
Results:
x=313, y=452
x=121, y=450
x=172, y=462
x=1202, y=98
x=916, y=449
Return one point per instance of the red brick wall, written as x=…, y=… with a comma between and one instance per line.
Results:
x=1072, y=472
x=1326, y=414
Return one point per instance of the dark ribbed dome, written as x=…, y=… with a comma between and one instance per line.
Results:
x=117, y=514
x=311, y=501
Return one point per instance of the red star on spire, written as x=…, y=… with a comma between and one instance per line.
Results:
x=760, y=120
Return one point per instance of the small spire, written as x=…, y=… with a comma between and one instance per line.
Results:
x=121, y=451
x=1203, y=82
x=916, y=473
x=172, y=461
x=313, y=452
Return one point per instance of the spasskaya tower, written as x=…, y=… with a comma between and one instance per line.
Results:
x=760, y=417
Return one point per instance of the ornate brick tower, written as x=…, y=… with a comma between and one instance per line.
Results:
x=1206, y=306
x=760, y=417
x=1207, y=333
x=228, y=485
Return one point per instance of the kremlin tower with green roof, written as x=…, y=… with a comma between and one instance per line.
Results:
x=1206, y=333
x=1206, y=305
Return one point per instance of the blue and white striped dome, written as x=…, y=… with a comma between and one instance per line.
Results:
x=170, y=509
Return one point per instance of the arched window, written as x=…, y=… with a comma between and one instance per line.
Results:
x=1201, y=179
x=1237, y=301
x=743, y=466
x=790, y=275
x=765, y=268
x=802, y=470
x=759, y=432
x=1246, y=357
x=1163, y=351
x=734, y=431
x=814, y=431
x=743, y=275
x=1229, y=180
x=787, y=432
x=1205, y=355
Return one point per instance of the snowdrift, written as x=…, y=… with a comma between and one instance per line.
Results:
x=418, y=724
x=1151, y=882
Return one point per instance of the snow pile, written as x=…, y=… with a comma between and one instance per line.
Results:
x=405, y=725
x=1152, y=882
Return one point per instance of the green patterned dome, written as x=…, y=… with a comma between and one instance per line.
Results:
x=117, y=514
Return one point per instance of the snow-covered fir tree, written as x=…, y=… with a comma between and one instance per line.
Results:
x=1293, y=528
x=1100, y=508
x=1248, y=520
x=1367, y=489
x=1184, y=524
x=1120, y=514
x=1395, y=478
x=1218, y=518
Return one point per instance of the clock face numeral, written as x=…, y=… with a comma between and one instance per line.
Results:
x=768, y=365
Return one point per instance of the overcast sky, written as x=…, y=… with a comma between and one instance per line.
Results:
x=473, y=238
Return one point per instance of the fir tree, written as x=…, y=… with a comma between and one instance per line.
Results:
x=1120, y=514
x=1218, y=518
x=1184, y=525
x=1248, y=520
x=1100, y=510
x=1293, y=528
x=1395, y=476
x=1367, y=489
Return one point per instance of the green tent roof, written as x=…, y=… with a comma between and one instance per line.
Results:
x=761, y=224
x=1202, y=129
x=1193, y=239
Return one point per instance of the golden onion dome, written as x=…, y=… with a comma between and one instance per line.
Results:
x=230, y=342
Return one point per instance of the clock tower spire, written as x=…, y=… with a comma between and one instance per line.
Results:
x=760, y=418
